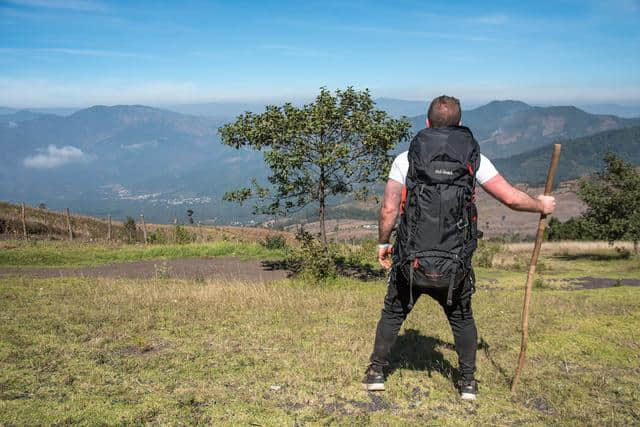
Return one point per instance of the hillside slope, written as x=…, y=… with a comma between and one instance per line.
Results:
x=103, y=152
x=506, y=128
x=579, y=156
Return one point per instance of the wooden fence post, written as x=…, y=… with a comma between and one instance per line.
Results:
x=69, y=225
x=109, y=229
x=144, y=229
x=24, y=223
x=201, y=232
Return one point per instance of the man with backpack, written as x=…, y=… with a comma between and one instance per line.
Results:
x=432, y=187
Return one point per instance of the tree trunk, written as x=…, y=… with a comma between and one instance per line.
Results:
x=635, y=247
x=323, y=231
x=69, y=225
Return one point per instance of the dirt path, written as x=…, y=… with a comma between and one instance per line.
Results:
x=219, y=268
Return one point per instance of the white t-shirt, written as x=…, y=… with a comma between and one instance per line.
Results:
x=400, y=167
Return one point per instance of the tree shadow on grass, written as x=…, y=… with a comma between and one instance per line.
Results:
x=270, y=265
x=344, y=268
x=594, y=257
x=415, y=351
x=359, y=271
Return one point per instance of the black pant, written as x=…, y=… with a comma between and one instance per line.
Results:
x=395, y=311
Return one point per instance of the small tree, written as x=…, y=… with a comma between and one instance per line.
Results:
x=335, y=145
x=613, y=201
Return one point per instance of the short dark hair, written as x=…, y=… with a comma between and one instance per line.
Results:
x=444, y=111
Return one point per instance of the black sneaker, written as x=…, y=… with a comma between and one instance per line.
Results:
x=468, y=389
x=373, y=380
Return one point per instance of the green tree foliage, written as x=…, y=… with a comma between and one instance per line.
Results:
x=575, y=228
x=337, y=144
x=613, y=201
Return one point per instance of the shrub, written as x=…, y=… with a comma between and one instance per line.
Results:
x=130, y=230
x=311, y=260
x=574, y=228
x=157, y=237
x=486, y=251
x=182, y=235
x=274, y=241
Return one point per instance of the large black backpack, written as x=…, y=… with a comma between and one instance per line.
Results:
x=438, y=233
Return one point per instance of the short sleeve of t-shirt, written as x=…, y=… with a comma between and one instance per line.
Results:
x=486, y=170
x=400, y=168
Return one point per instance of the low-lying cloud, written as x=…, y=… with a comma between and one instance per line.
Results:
x=54, y=157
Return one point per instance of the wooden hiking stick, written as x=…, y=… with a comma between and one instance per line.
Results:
x=532, y=270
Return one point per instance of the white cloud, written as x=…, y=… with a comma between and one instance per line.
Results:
x=139, y=146
x=54, y=157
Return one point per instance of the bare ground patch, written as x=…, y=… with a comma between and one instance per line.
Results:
x=601, y=282
x=219, y=268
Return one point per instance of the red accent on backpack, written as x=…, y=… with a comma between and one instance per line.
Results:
x=404, y=199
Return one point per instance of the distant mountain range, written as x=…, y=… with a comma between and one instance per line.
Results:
x=129, y=159
x=578, y=157
x=132, y=155
x=506, y=128
x=627, y=111
x=396, y=107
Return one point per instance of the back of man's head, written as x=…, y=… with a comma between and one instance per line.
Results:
x=444, y=111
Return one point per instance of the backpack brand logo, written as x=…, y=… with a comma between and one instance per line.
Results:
x=443, y=172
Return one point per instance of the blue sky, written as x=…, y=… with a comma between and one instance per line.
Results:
x=73, y=53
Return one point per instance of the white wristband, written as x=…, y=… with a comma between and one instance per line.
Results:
x=384, y=245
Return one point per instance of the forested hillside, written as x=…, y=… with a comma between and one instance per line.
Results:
x=507, y=128
x=579, y=156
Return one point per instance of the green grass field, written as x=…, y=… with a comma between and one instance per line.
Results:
x=69, y=254
x=162, y=351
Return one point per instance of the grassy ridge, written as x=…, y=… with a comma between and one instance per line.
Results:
x=162, y=351
x=69, y=254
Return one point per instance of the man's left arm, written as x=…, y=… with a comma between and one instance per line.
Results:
x=388, y=214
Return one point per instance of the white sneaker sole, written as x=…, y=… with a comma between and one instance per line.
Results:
x=468, y=396
x=373, y=387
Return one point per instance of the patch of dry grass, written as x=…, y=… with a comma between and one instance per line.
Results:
x=48, y=224
x=573, y=247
